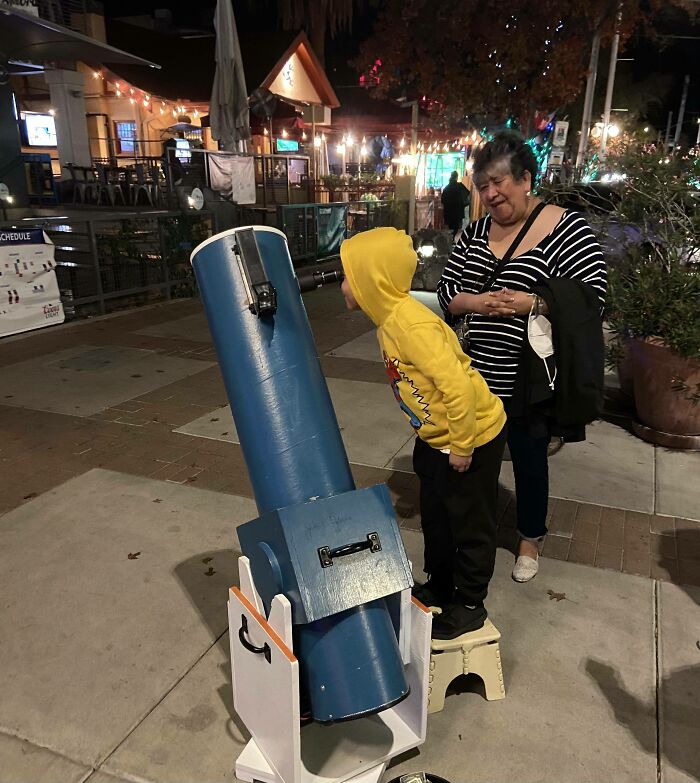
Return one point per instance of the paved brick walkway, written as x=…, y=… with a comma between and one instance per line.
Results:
x=40, y=450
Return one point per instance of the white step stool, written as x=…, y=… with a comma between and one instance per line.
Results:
x=476, y=652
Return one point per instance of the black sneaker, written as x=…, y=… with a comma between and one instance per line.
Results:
x=457, y=619
x=431, y=594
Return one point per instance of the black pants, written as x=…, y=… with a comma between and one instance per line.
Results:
x=531, y=471
x=458, y=517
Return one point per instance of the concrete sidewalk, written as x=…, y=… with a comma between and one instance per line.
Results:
x=117, y=441
x=118, y=666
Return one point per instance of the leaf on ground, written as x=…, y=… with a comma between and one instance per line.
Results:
x=158, y=500
x=213, y=420
x=29, y=496
x=133, y=555
x=556, y=596
x=206, y=560
x=210, y=572
x=224, y=433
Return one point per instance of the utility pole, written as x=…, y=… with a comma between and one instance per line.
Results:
x=681, y=111
x=588, y=99
x=414, y=152
x=611, y=82
x=667, y=137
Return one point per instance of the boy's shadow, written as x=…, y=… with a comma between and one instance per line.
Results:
x=678, y=692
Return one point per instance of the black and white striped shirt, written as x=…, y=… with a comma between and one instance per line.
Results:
x=570, y=250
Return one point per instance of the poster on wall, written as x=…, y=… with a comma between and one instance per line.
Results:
x=29, y=294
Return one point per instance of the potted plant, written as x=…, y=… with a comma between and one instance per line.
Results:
x=654, y=292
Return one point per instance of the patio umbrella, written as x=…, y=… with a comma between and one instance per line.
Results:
x=228, y=110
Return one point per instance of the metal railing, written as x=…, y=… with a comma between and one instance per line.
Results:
x=106, y=263
x=315, y=231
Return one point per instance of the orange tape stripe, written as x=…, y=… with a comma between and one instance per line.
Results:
x=269, y=630
x=421, y=606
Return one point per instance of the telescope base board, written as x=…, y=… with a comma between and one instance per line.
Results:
x=266, y=698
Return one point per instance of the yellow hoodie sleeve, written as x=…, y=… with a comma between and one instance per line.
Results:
x=427, y=349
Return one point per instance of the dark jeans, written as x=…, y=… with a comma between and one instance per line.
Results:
x=531, y=471
x=458, y=517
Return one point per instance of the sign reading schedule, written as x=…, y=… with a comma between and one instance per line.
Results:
x=29, y=295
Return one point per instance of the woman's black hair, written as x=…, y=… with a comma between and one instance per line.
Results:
x=511, y=146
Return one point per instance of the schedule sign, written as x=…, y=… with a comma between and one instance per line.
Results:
x=29, y=294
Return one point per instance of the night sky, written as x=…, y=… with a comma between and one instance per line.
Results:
x=657, y=70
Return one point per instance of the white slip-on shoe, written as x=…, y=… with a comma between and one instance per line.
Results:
x=525, y=568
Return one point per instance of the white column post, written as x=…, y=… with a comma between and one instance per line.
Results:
x=67, y=90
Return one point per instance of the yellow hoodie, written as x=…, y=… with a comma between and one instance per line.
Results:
x=446, y=401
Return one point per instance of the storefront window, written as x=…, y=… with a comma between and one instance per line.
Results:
x=126, y=136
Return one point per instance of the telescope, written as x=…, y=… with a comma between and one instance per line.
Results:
x=334, y=551
x=309, y=281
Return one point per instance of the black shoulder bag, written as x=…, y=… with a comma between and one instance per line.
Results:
x=461, y=327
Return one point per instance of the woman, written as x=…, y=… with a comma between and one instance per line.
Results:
x=559, y=244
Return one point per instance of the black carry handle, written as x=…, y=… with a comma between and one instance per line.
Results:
x=264, y=650
x=326, y=554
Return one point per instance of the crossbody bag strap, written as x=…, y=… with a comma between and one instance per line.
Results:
x=527, y=225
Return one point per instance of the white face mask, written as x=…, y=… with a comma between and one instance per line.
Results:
x=539, y=334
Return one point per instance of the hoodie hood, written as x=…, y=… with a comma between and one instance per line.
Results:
x=379, y=266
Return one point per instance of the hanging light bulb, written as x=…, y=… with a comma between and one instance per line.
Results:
x=162, y=110
x=132, y=101
x=131, y=90
x=265, y=131
x=363, y=151
x=196, y=113
x=350, y=140
x=402, y=143
x=323, y=137
x=317, y=141
x=119, y=93
x=284, y=133
x=364, y=140
x=303, y=135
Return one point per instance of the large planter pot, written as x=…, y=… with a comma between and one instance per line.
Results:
x=625, y=371
x=667, y=416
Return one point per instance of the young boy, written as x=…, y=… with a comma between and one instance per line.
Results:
x=459, y=424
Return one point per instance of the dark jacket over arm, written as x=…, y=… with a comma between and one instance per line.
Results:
x=577, y=332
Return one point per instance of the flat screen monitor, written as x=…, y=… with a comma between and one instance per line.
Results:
x=182, y=150
x=287, y=145
x=41, y=130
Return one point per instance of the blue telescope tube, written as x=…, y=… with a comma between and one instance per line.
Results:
x=350, y=662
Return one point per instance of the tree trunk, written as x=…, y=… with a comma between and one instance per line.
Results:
x=317, y=37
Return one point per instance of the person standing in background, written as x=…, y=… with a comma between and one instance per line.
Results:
x=455, y=199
